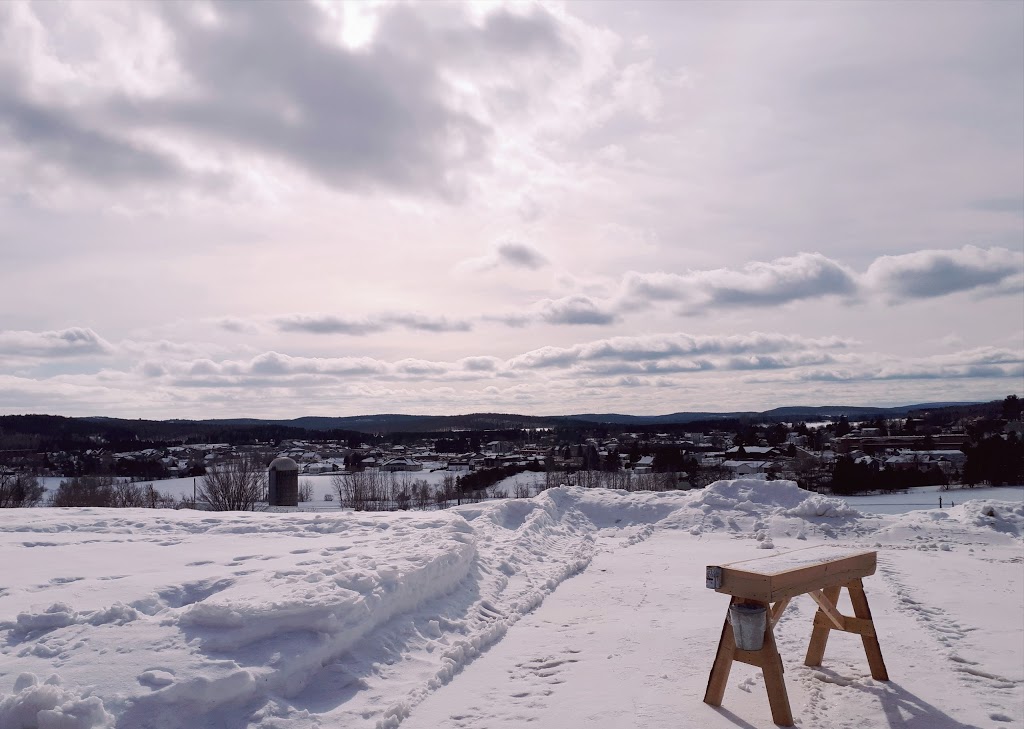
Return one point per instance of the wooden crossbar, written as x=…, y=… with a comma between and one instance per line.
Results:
x=780, y=577
x=777, y=610
x=828, y=608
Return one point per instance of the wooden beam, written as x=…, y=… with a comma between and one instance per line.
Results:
x=819, y=635
x=751, y=658
x=850, y=625
x=774, y=682
x=723, y=663
x=871, y=647
x=777, y=610
x=827, y=607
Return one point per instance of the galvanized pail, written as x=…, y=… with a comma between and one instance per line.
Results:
x=748, y=626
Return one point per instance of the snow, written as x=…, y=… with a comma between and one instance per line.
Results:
x=786, y=561
x=578, y=607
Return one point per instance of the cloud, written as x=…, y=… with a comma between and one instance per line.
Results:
x=913, y=372
x=981, y=356
x=424, y=323
x=553, y=378
x=514, y=253
x=480, y=364
x=420, y=367
x=72, y=342
x=618, y=356
x=574, y=310
x=401, y=110
x=66, y=141
x=807, y=276
x=929, y=274
x=672, y=347
x=354, y=118
x=506, y=254
x=978, y=363
x=780, y=281
x=275, y=364
x=236, y=325
x=1003, y=204
x=330, y=324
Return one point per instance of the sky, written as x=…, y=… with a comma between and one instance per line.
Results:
x=283, y=209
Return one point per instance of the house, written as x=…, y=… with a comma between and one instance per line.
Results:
x=747, y=468
x=460, y=463
x=401, y=464
x=753, y=452
x=644, y=465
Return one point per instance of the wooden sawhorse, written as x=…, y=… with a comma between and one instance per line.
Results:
x=772, y=582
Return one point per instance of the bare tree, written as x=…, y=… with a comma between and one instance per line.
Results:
x=234, y=486
x=139, y=496
x=449, y=490
x=353, y=489
x=107, y=492
x=305, y=490
x=421, y=495
x=19, y=489
x=402, y=499
x=84, y=491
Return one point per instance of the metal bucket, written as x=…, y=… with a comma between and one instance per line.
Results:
x=748, y=626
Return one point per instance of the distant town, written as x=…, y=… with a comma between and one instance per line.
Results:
x=103, y=462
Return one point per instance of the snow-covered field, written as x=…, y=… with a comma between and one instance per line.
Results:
x=142, y=619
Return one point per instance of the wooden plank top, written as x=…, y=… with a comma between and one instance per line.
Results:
x=777, y=576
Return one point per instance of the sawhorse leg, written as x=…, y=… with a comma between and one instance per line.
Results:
x=828, y=619
x=767, y=659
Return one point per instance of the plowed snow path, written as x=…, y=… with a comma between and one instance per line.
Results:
x=629, y=643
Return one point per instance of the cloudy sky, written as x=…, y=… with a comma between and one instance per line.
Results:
x=275, y=210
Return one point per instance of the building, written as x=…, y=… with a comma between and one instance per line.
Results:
x=401, y=464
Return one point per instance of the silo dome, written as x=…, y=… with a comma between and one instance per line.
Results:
x=283, y=463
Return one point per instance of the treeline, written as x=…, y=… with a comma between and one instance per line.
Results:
x=850, y=477
x=41, y=433
x=108, y=492
x=996, y=460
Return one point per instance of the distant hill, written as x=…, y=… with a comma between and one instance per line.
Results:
x=672, y=419
x=35, y=431
x=399, y=423
x=793, y=413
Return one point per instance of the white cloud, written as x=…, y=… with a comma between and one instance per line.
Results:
x=979, y=363
x=783, y=280
x=72, y=342
x=933, y=273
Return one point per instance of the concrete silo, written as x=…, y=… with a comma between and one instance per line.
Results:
x=283, y=482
